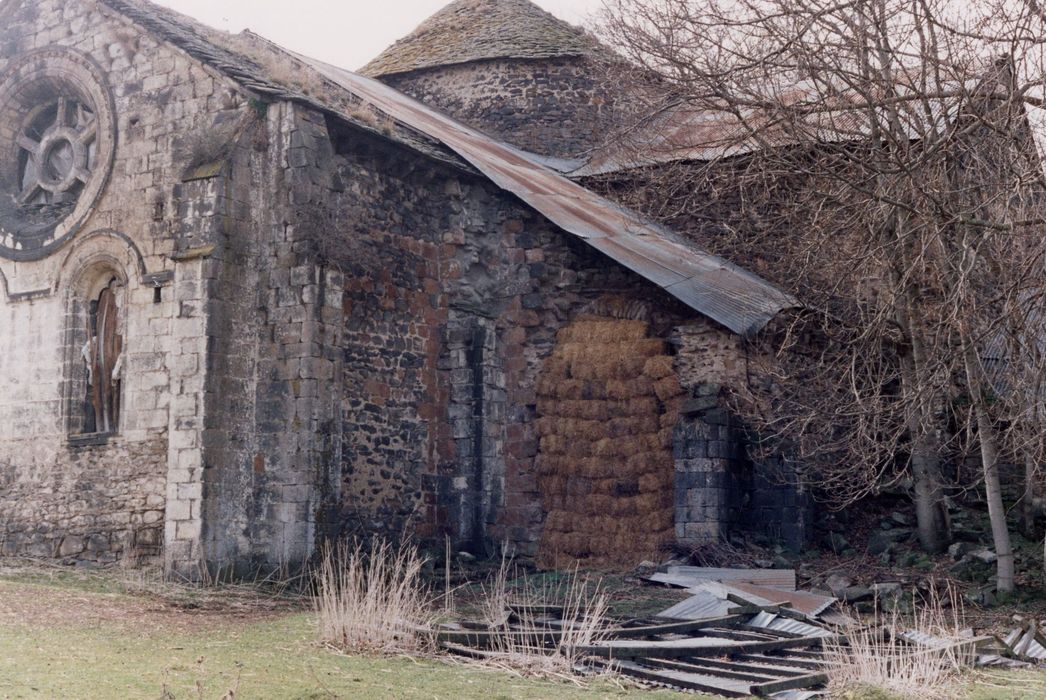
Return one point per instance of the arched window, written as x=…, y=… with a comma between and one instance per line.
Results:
x=102, y=354
x=96, y=351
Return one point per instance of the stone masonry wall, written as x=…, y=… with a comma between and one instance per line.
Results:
x=452, y=301
x=107, y=500
x=556, y=107
x=725, y=486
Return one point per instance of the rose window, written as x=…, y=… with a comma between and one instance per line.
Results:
x=57, y=145
x=57, y=152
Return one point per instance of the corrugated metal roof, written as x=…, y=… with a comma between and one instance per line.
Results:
x=685, y=131
x=735, y=298
x=773, y=578
x=787, y=625
x=702, y=606
x=477, y=30
x=1026, y=643
x=807, y=603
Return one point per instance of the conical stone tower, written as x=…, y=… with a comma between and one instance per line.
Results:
x=510, y=69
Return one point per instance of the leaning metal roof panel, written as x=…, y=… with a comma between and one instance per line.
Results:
x=735, y=298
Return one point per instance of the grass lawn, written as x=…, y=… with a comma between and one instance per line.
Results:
x=144, y=654
x=66, y=636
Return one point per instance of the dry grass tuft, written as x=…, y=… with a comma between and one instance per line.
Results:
x=523, y=618
x=877, y=657
x=374, y=600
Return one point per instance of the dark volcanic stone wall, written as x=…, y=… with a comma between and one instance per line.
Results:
x=555, y=107
x=453, y=295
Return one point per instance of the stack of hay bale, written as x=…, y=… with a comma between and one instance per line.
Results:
x=608, y=402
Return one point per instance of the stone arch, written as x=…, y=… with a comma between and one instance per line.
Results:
x=102, y=245
x=608, y=403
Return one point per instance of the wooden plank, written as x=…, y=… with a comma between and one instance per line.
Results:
x=815, y=655
x=764, y=667
x=685, y=627
x=484, y=638
x=751, y=634
x=680, y=648
x=783, y=660
x=686, y=681
x=707, y=670
x=765, y=690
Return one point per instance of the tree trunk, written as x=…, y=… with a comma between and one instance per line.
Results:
x=990, y=460
x=931, y=513
x=930, y=510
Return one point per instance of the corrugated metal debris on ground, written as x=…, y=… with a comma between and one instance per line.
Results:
x=687, y=576
x=779, y=623
x=726, y=655
x=724, y=640
x=1027, y=643
x=805, y=602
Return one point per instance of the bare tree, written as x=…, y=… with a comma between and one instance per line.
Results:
x=876, y=157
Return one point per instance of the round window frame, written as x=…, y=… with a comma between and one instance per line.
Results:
x=25, y=83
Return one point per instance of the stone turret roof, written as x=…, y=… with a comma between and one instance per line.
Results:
x=476, y=30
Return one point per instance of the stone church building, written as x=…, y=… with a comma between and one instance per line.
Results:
x=250, y=301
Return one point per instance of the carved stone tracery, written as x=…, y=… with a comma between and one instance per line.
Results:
x=57, y=144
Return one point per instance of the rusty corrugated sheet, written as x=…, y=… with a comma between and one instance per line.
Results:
x=737, y=299
x=807, y=603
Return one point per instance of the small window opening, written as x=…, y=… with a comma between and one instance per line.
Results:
x=157, y=295
x=103, y=357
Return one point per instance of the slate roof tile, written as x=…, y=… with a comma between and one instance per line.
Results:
x=476, y=30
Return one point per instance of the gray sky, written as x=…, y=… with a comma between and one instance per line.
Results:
x=347, y=33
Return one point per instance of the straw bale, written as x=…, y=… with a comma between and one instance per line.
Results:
x=591, y=430
x=587, y=353
x=553, y=444
x=578, y=488
x=637, y=407
x=659, y=367
x=646, y=503
x=578, y=449
x=656, y=481
x=623, y=389
x=625, y=368
x=668, y=388
x=549, y=407
x=595, y=468
x=631, y=425
x=623, y=508
x=602, y=331
x=598, y=504
x=556, y=366
x=647, y=462
x=617, y=447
